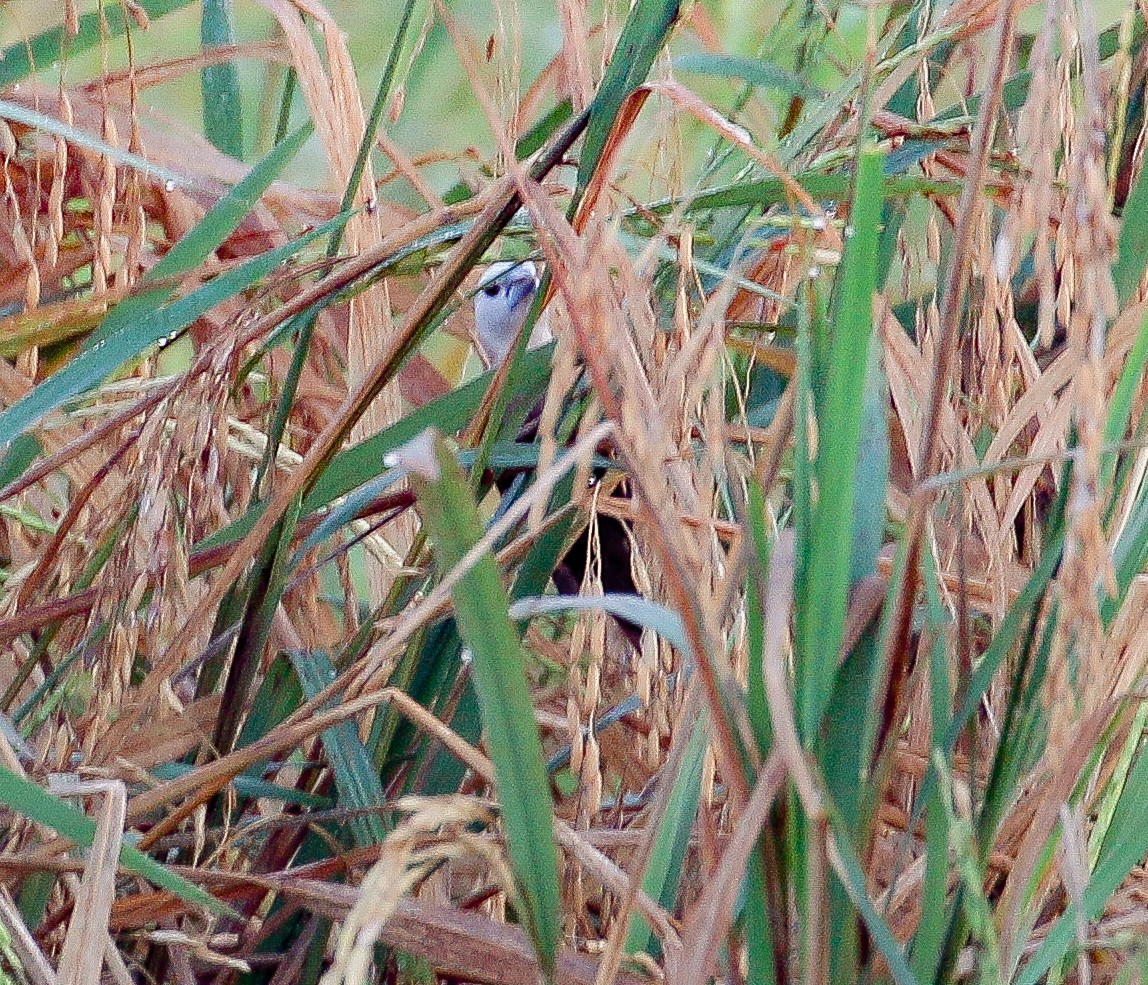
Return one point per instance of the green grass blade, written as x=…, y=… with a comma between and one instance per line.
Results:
x=664, y=870
x=81, y=138
x=1120, y=407
x=752, y=70
x=755, y=592
x=31, y=801
x=355, y=778
x=761, y=954
x=881, y=936
x=481, y=604
x=1124, y=847
x=370, y=132
x=251, y=785
x=820, y=621
x=222, y=106
x=1133, y=248
x=1007, y=634
x=929, y=940
x=18, y=458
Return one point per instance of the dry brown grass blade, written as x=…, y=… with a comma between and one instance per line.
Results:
x=432, y=833
x=205, y=781
x=87, y=936
x=472, y=948
x=456, y=944
x=34, y=618
x=577, y=78
x=142, y=77
x=604, y=173
x=34, y=964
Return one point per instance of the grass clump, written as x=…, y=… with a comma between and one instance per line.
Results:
x=784, y=619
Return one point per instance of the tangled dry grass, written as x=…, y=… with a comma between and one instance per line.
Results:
x=248, y=690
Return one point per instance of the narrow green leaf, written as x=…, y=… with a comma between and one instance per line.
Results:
x=855, y=883
x=81, y=138
x=755, y=71
x=250, y=784
x=1120, y=407
x=1124, y=847
x=1133, y=256
x=222, y=106
x=664, y=870
x=761, y=956
x=355, y=777
x=1010, y=630
x=872, y=470
x=221, y=220
x=31, y=801
x=755, y=595
x=480, y=604
x=820, y=185
x=544, y=129
x=929, y=939
x=18, y=457
x=821, y=620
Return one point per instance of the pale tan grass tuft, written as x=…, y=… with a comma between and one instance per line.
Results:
x=86, y=941
x=434, y=832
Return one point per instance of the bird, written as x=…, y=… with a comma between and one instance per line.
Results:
x=506, y=291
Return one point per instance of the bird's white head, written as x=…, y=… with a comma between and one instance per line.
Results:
x=505, y=293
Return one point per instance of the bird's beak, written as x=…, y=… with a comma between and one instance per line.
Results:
x=520, y=291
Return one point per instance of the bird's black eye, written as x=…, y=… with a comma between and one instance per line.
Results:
x=492, y=290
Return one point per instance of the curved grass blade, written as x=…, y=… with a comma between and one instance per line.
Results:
x=633, y=608
x=480, y=604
